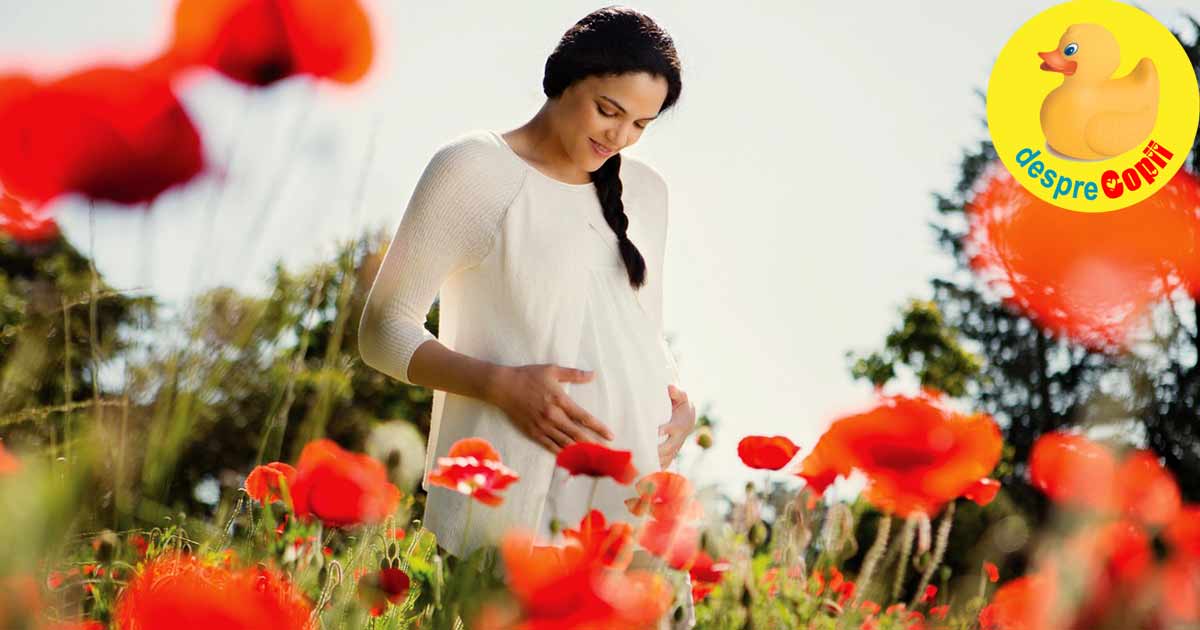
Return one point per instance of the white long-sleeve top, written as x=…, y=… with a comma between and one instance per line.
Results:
x=528, y=272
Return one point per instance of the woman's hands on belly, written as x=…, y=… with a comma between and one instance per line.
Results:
x=533, y=400
x=678, y=428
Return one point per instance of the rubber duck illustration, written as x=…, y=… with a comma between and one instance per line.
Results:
x=1092, y=116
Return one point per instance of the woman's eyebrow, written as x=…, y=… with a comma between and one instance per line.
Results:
x=618, y=105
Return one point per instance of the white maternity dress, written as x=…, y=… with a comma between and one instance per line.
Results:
x=528, y=272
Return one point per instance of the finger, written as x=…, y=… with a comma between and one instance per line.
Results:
x=574, y=375
x=581, y=416
x=547, y=443
x=568, y=427
x=562, y=440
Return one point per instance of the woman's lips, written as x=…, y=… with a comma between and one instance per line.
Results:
x=599, y=149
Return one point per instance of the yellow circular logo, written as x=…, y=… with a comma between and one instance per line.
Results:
x=1092, y=105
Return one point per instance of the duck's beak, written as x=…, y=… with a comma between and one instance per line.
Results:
x=1054, y=61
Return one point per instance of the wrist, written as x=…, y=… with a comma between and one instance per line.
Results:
x=494, y=378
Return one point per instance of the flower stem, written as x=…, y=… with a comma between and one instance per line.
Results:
x=592, y=496
x=939, y=550
x=873, y=555
x=906, y=541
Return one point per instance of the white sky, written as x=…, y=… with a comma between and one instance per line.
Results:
x=801, y=160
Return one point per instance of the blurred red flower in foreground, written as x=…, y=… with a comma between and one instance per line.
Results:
x=1087, y=276
x=671, y=532
x=263, y=483
x=1184, y=531
x=664, y=495
x=597, y=460
x=1076, y=471
x=1026, y=603
x=23, y=224
x=179, y=592
x=109, y=133
x=341, y=488
x=766, y=453
x=259, y=42
x=596, y=537
x=8, y=462
x=1073, y=470
x=559, y=590
x=473, y=468
x=916, y=452
x=675, y=541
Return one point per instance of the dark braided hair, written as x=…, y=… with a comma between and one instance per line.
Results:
x=613, y=41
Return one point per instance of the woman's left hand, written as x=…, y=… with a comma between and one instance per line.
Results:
x=677, y=430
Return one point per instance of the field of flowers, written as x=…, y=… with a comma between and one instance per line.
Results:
x=329, y=535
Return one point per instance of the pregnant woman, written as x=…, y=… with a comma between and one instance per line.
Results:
x=546, y=244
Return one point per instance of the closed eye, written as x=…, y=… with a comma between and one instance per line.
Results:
x=608, y=115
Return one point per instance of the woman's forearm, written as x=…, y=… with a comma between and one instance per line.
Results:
x=435, y=366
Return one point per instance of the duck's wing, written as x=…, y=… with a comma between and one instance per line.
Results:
x=1127, y=112
x=1134, y=91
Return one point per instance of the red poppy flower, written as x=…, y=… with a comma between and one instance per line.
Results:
x=263, y=483
x=1073, y=470
x=9, y=463
x=1026, y=603
x=1087, y=276
x=983, y=491
x=1178, y=585
x=380, y=588
x=259, y=42
x=596, y=537
x=109, y=133
x=341, y=488
x=1110, y=555
x=706, y=574
x=563, y=591
x=916, y=452
x=766, y=453
x=597, y=460
x=675, y=541
x=1146, y=490
x=473, y=468
x=993, y=572
x=1184, y=532
x=178, y=592
x=665, y=495
x=23, y=224
x=140, y=544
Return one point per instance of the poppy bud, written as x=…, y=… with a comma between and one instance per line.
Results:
x=555, y=525
x=704, y=437
x=758, y=534
x=103, y=544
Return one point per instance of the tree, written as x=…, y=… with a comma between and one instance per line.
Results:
x=1031, y=381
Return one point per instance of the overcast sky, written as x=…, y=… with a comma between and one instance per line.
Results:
x=801, y=159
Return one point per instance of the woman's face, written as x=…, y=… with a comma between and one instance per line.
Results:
x=611, y=112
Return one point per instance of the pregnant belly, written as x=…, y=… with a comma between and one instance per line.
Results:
x=628, y=392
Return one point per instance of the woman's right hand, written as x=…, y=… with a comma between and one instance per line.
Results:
x=533, y=400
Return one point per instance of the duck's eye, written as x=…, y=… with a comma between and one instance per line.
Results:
x=1071, y=49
